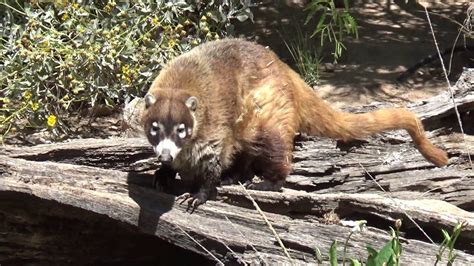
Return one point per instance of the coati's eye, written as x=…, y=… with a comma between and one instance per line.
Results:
x=154, y=129
x=181, y=131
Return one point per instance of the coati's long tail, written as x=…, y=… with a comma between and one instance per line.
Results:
x=318, y=118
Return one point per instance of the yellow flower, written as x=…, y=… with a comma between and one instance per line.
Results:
x=125, y=69
x=75, y=6
x=34, y=106
x=127, y=80
x=108, y=8
x=27, y=95
x=52, y=120
x=4, y=100
x=172, y=43
x=65, y=17
x=155, y=21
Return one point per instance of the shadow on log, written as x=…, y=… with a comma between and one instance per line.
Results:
x=90, y=201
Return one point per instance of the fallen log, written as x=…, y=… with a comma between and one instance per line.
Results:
x=112, y=195
x=90, y=201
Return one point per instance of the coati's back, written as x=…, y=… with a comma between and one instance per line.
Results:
x=220, y=74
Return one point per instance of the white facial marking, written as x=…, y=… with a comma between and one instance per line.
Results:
x=181, y=131
x=155, y=126
x=167, y=144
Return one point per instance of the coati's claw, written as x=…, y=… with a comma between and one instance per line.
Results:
x=183, y=197
x=193, y=200
x=193, y=204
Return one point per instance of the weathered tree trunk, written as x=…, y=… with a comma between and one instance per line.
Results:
x=90, y=201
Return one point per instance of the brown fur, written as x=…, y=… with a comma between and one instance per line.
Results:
x=251, y=105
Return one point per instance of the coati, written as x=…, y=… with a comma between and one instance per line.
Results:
x=232, y=104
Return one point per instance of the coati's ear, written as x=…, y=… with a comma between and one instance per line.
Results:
x=192, y=103
x=149, y=100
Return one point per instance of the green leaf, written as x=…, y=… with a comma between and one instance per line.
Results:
x=242, y=17
x=317, y=4
x=371, y=262
x=318, y=255
x=453, y=257
x=355, y=262
x=396, y=247
x=109, y=102
x=346, y=5
x=314, y=7
x=320, y=27
x=385, y=254
x=322, y=37
x=372, y=251
x=77, y=89
x=446, y=235
x=333, y=253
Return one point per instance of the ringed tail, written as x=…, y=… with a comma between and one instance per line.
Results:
x=319, y=119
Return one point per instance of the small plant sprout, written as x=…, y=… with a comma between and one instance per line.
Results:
x=448, y=243
x=357, y=227
x=318, y=255
x=333, y=253
x=390, y=253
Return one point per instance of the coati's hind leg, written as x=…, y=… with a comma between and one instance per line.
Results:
x=240, y=170
x=269, y=124
x=273, y=159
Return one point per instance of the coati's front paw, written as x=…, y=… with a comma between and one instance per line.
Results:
x=193, y=200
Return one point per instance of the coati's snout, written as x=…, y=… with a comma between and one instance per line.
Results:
x=165, y=157
x=168, y=123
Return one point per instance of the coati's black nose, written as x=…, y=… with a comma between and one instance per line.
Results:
x=165, y=157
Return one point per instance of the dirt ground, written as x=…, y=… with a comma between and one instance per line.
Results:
x=392, y=39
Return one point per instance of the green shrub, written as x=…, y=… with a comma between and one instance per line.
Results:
x=306, y=55
x=63, y=57
x=331, y=30
x=334, y=24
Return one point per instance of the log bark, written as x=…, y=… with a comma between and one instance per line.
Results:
x=90, y=201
